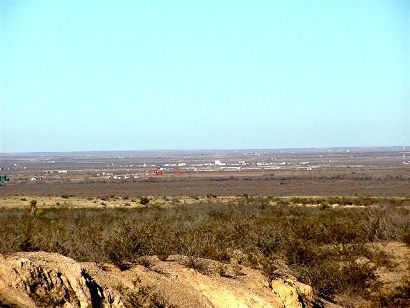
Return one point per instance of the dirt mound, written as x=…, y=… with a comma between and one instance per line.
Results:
x=43, y=279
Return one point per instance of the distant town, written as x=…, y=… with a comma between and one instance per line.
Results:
x=128, y=166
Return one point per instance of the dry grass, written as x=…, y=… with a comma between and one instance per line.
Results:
x=321, y=245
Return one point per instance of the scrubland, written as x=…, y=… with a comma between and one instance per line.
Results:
x=353, y=254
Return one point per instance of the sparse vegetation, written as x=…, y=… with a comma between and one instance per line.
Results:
x=33, y=207
x=406, y=238
x=321, y=245
x=198, y=265
x=144, y=200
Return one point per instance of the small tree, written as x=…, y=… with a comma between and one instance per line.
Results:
x=33, y=204
x=144, y=200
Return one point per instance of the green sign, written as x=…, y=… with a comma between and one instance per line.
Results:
x=4, y=179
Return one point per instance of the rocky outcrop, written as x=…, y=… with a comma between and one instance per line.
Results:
x=47, y=280
x=50, y=280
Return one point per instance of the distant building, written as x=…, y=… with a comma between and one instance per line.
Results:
x=230, y=168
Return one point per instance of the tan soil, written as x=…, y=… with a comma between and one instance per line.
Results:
x=23, y=202
x=40, y=279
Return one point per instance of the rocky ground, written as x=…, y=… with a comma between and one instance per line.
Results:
x=40, y=279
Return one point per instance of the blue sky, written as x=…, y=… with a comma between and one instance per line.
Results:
x=137, y=75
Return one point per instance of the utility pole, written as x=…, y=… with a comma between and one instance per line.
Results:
x=404, y=149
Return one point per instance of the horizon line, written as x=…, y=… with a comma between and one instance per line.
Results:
x=397, y=147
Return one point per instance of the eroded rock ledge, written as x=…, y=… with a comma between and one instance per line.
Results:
x=40, y=279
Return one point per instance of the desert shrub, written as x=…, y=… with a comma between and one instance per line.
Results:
x=263, y=202
x=175, y=200
x=324, y=205
x=270, y=244
x=346, y=201
x=282, y=202
x=364, y=200
x=305, y=200
x=357, y=276
x=198, y=265
x=406, y=238
x=330, y=278
x=127, y=243
x=144, y=200
x=144, y=261
x=33, y=205
x=320, y=246
x=398, y=297
x=249, y=199
x=301, y=253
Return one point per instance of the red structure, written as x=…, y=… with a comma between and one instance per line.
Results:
x=179, y=172
x=158, y=173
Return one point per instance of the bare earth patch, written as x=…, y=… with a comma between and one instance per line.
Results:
x=40, y=279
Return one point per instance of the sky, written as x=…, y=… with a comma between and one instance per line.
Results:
x=148, y=75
